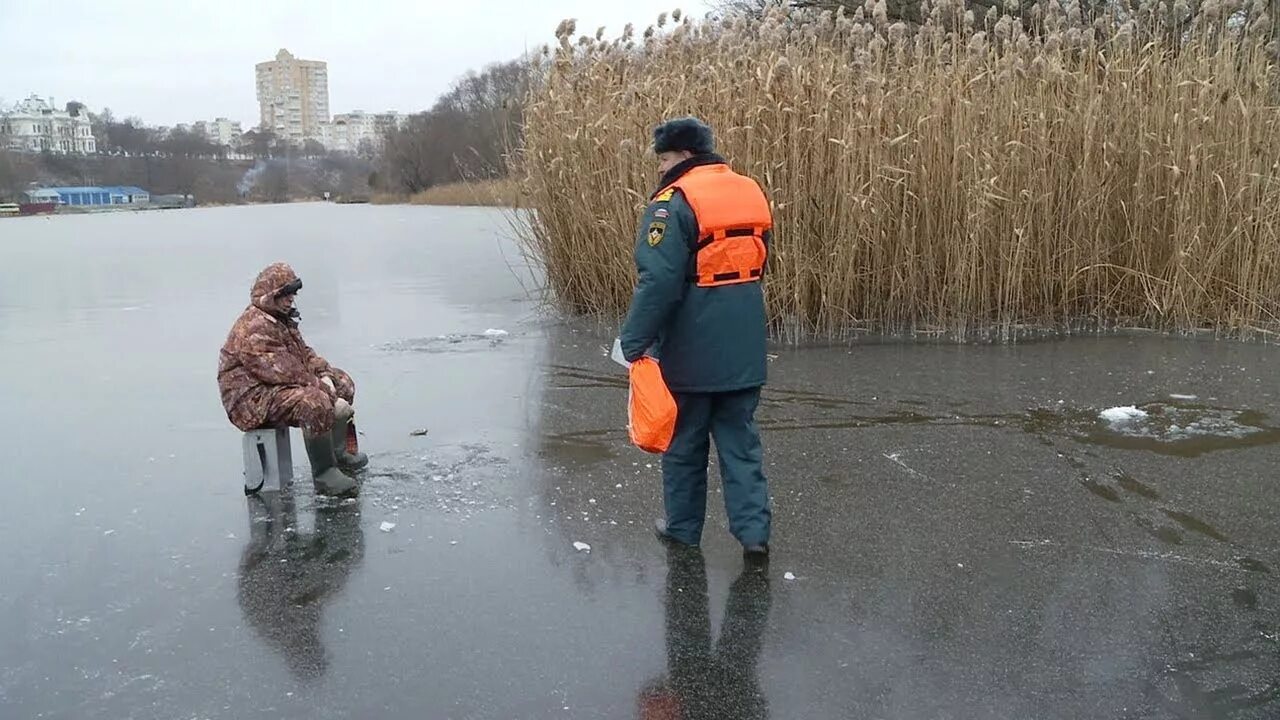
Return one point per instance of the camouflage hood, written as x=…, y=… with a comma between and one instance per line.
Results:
x=271, y=280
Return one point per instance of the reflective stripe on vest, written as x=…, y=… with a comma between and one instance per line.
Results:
x=733, y=215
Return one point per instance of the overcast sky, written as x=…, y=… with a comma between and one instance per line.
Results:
x=170, y=62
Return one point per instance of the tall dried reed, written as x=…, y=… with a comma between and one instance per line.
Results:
x=970, y=175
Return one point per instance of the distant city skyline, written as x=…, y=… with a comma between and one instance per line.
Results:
x=175, y=64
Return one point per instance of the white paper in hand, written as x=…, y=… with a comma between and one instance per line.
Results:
x=617, y=355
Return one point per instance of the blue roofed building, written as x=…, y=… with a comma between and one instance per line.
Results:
x=80, y=196
x=127, y=195
x=98, y=196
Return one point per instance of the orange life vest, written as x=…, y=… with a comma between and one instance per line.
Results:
x=733, y=215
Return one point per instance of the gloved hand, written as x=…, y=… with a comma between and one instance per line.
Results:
x=342, y=410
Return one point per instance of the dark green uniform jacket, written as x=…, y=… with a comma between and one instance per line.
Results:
x=707, y=340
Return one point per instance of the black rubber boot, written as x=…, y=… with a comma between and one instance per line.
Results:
x=756, y=556
x=329, y=480
x=660, y=530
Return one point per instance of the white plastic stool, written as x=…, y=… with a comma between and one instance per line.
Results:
x=268, y=460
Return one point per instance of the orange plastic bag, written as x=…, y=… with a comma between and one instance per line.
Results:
x=651, y=410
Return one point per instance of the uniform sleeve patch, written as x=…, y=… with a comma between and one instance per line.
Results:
x=656, y=231
x=665, y=195
x=661, y=213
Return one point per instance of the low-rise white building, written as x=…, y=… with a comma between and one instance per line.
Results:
x=347, y=131
x=221, y=131
x=37, y=125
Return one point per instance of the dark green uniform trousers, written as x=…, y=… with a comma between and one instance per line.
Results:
x=729, y=418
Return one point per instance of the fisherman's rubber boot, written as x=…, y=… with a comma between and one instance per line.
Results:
x=756, y=556
x=329, y=480
x=346, y=460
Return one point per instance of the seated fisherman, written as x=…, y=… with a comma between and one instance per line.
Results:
x=268, y=377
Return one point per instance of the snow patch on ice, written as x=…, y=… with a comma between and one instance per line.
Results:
x=1122, y=415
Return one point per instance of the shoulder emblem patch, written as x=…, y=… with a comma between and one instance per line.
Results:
x=661, y=213
x=656, y=231
x=665, y=195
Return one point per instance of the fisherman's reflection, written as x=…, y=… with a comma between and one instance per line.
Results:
x=704, y=681
x=286, y=577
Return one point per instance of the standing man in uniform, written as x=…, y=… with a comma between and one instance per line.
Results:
x=699, y=309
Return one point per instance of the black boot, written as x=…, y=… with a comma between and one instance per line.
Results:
x=329, y=480
x=756, y=556
x=660, y=530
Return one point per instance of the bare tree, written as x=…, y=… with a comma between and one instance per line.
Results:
x=465, y=135
x=410, y=155
x=274, y=184
x=8, y=176
x=753, y=8
x=258, y=143
x=188, y=144
x=283, y=148
x=127, y=137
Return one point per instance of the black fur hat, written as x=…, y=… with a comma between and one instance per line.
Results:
x=686, y=133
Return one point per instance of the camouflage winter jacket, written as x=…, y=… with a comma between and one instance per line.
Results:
x=265, y=351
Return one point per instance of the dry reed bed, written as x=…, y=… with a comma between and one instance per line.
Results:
x=499, y=192
x=966, y=176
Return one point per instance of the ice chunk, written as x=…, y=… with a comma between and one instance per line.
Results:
x=581, y=547
x=495, y=333
x=789, y=576
x=1123, y=414
x=1179, y=396
x=387, y=526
